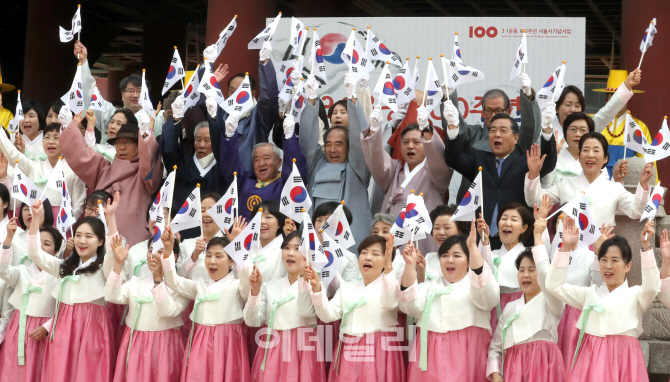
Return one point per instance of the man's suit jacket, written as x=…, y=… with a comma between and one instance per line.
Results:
x=503, y=189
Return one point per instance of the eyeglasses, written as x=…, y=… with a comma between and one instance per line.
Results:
x=574, y=130
x=493, y=111
x=49, y=139
x=133, y=91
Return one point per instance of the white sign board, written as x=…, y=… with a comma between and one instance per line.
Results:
x=486, y=43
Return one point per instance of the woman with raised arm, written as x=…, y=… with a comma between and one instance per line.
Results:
x=368, y=311
x=523, y=347
x=216, y=349
x=453, y=312
x=611, y=321
x=152, y=348
x=81, y=342
x=23, y=351
x=291, y=351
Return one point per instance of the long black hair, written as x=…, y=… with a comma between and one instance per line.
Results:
x=48, y=215
x=68, y=266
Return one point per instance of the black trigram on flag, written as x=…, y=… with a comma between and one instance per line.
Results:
x=475, y=74
x=325, y=226
x=454, y=77
x=255, y=237
x=310, y=226
x=230, y=102
x=582, y=206
x=238, y=108
x=219, y=209
x=516, y=63
x=364, y=61
x=373, y=52
x=325, y=274
x=206, y=86
x=592, y=229
x=298, y=209
x=666, y=146
x=255, y=40
x=581, y=237
x=19, y=177
x=354, y=69
x=159, y=219
x=59, y=183
x=297, y=179
x=420, y=220
x=282, y=69
x=452, y=63
x=399, y=234
x=338, y=253
x=33, y=194
x=253, y=226
x=245, y=86
x=408, y=91
x=522, y=55
x=543, y=96
x=575, y=212
x=174, y=60
x=21, y=112
x=231, y=28
x=227, y=220
x=651, y=151
x=193, y=96
x=15, y=189
x=429, y=102
x=284, y=201
x=648, y=208
x=71, y=95
x=477, y=200
x=191, y=197
x=193, y=212
x=326, y=243
x=165, y=84
x=80, y=103
x=246, y=256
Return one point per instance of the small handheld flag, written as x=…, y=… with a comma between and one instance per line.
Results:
x=159, y=228
x=239, y=248
x=634, y=138
x=653, y=203
x=23, y=188
x=189, y=214
x=68, y=35
x=403, y=231
x=337, y=227
x=284, y=71
x=145, y=101
x=520, y=58
x=378, y=51
x=471, y=201
x=225, y=35
x=164, y=196
x=552, y=86
x=403, y=83
x=101, y=215
x=316, y=59
x=647, y=39
x=659, y=148
x=191, y=93
x=294, y=197
x=74, y=98
x=13, y=126
x=415, y=75
x=225, y=209
x=209, y=84
x=416, y=213
x=298, y=35
x=355, y=58
x=309, y=244
x=265, y=35
x=334, y=256
x=432, y=92
x=175, y=72
x=96, y=102
x=241, y=100
x=384, y=90
x=456, y=55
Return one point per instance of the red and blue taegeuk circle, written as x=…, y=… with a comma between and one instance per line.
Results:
x=583, y=221
x=184, y=207
x=247, y=241
x=298, y=194
x=242, y=97
x=399, y=82
x=171, y=72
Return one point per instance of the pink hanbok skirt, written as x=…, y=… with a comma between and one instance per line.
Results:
x=10, y=371
x=119, y=327
x=611, y=359
x=505, y=298
x=458, y=356
x=218, y=354
x=374, y=357
x=186, y=318
x=82, y=348
x=294, y=355
x=154, y=357
x=537, y=361
x=568, y=334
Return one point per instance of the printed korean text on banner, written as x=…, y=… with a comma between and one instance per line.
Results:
x=520, y=58
x=175, y=71
x=337, y=227
x=472, y=200
x=191, y=94
x=294, y=196
x=317, y=54
x=659, y=148
x=378, y=51
x=239, y=248
x=384, y=89
x=225, y=35
x=209, y=84
x=240, y=101
x=225, y=210
x=653, y=203
x=97, y=102
x=13, y=126
x=68, y=35
x=265, y=35
x=189, y=214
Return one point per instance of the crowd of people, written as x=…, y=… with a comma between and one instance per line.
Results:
x=485, y=299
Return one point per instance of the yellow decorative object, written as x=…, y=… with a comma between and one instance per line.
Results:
x=616, y=79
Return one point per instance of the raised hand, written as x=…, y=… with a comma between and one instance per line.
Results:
x=112, y=205
x=239, y=224
x=645, y=175
x=289, y=226
x=256, y=281
x=409, y=254
x=605, y=234
x=534, y=161
x=200, y=247
x=78, y=118
x=388, y=254
x=633, y=79
x=221, y=72
x=620, y=171
x=120, y=251
x=90, y=120
x=472, y=237
x=156, y=266
x=313, y=277
x=538, y=229
x=570, y=235
x=665, y=253
x=647, y=234
x=19, y=143
x=81, y=52
x=69, y=247
x=483, y=229
x=168, y=241
x=11, y=230
x=4, y=163
x=542, y=211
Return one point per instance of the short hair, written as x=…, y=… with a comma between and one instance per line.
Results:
x=200, y=126
x=408, y=128
x=223, y=241
x=278, y=152
x=527, y=219
x=442, y=210
x=98, y=195
x=175, y=247
x=601, y=139
x=328, y=208
x=571, y=89
x=619, y=242
x=52, y=127
x=372, y=240
x=252, y=81
x=496, y=93
x=134, y=79
x=514, y=125
x=453, y=240
x=214, y=195
x=58, y=238
x=48, y=215
x=55, y=106
x=130, y=116
x=4, y=195
x=271, y=207
x=526, y=253
x=578, y=117
x=345, y=130
x=379, y=217
x=29, y=105
x=342, y=102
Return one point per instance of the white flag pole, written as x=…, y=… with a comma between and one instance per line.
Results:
x=559, y=80
x=182, y=64
x=416, y=63
x=14, y=209
x=444, y=73
x=258, y=242
x=524, y=39
x=79, y=33
x=650, y=218
x=625, y=128
x=235, y=206
x=174, y=168
x=367, y=41
x=425, y=87
x=411, y=236
x=339, y=212
x=379, y=101
x=202, y=230
x=313, y=53
x=481, y=194
x=302, y=44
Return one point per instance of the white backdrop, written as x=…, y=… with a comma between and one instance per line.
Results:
x=486, y=43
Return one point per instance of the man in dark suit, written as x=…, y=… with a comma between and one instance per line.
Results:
x=503, y=169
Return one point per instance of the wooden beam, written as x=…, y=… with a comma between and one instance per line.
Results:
x=604, y=20
x=562, y=14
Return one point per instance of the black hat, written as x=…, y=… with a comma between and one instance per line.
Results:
x=127, y=130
